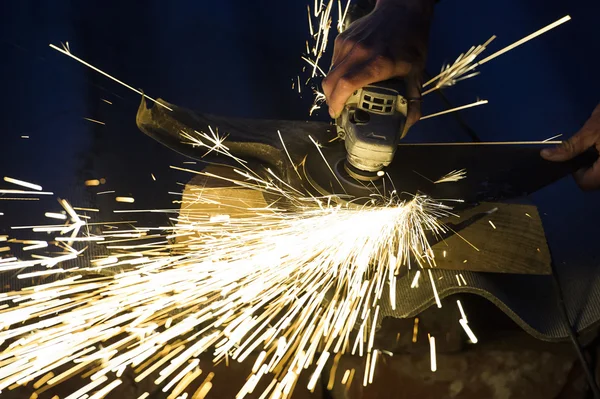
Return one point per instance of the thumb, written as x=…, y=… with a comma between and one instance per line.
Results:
x=570, y=148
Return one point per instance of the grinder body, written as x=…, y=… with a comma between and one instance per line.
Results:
x=372, y=124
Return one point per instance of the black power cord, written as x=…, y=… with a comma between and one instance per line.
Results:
x=589, y=374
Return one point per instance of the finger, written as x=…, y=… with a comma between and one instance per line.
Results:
x=357, y=76
x=413, y=94
x=356, y=54
x=588, y=179
x=572, y=147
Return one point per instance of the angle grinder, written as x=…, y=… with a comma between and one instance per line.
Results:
x=371, y=125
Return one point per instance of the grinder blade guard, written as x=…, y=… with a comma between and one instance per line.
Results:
x=371, y=125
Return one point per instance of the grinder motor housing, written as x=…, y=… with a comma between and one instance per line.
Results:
x=372, y=124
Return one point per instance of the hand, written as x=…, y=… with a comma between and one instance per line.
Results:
x=389, y=42
x=588, y=136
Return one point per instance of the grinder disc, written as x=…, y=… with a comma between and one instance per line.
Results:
x=327, y=174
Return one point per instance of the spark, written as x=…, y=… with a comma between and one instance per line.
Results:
x=471, y=105
x=78, y=208
x=204, y=388
x=350, y=378
x=227, y=282
x=129, y=200
x=36, y=245
x=55, y=215
x=68, y=53
x=313, y=63
x=18, y=199
x=24, y=137
x=415, y=282
x=106, y=101
x=79, y=238
x=372, y=369
x=203, y=391
x=40, y=273
x=5, y=191
x=465, y=323
x=343, y=17
x=43, y=380
x=105, y=192
x=261, y=357
x=288, y=154
x=492, y=224
x=318, y=100
x=317, y=373
x=552, y=138
x=432, y=354
x=453, y=176
x=415, y=330
x=310, y=25
x=23, y=183
x=345, y=376
x=91, y=183
x=460, y=308
x=95, y=121
x=152, y=175
x=319, y=30
x=465, y=64
x=333, y=370
x=468, y=331
x=527, y=38
x=435, y=292
x=459, y=70
x=104, y=391
x=463, y=238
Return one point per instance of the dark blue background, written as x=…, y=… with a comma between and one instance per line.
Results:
x=239, y=58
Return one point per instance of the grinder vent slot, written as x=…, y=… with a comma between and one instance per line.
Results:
x=380, y=105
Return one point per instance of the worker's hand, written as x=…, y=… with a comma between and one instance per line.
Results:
x=389, y=42
x=588, y=136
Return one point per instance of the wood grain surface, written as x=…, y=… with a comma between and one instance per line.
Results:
x=517, y=244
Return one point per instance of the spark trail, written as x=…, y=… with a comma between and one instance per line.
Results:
x=297, y=284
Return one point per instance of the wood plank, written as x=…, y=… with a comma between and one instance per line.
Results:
x=517, y=245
